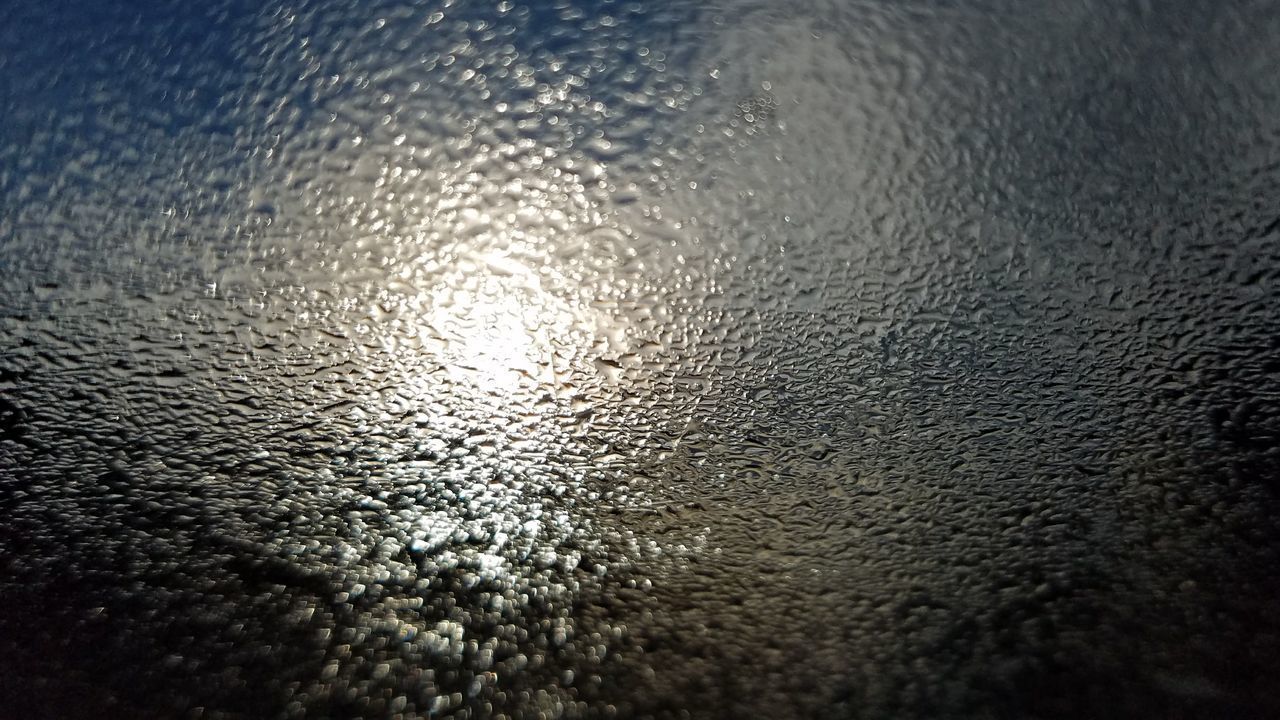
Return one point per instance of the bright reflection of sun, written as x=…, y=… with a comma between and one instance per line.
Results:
x=496, y=329
x=500, y=345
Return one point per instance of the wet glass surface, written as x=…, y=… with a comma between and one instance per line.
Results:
x=604, y=359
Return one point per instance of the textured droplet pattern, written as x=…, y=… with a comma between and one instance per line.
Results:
x=569, y=359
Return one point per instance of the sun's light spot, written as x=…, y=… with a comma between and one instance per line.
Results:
x=501, y=346
x=497, y=329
